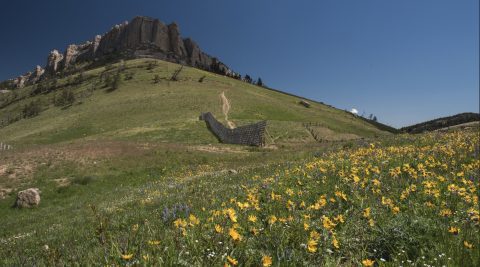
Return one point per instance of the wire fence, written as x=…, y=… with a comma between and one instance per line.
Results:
x=4, y=146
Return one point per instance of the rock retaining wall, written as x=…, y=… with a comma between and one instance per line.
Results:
x=252, y=134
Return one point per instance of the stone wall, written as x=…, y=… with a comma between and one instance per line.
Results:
x=252, y=134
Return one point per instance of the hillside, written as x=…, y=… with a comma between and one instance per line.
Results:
x=129, y=175
x=440, y=123
x=163, y=110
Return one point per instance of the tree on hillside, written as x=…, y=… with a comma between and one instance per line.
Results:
x=247, y=78
x=66, y=98
x=32, y=109
x=259, y=82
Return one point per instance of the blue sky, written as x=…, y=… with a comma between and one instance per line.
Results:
x=404, y=61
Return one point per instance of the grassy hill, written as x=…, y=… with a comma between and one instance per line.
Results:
x=444, y=122
x=166, y=111
x=130, y=176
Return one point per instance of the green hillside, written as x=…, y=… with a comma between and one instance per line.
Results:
x=129, y=176
x=166, y=111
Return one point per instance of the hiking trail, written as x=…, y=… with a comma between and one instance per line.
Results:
x=225, y=109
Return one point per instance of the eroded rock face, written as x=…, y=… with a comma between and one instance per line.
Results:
x=141, y=37
x=53, y=61
x=36, y=75
x=176, y=41
x=28, y=198
x=70, y=55
x=19, y=82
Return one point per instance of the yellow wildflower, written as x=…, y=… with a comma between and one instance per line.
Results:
x=266, y=261
x=180, y=223
x=335, y=243
x=339, y=218
x=453, y=230
x=314, y=235
x=154, y=242
x=446, y=213
x=234, y=234
x=272, y=219
x=232, y=214
x=252, y=218
x=366, y=213
x=341, y=195
x=232, y=261
x=127, y=256
x=327, y=223
x=312, y=245
x=193, y=220
x=395, y=210
x=218, y=229
x=467, y=245
x=368, y=262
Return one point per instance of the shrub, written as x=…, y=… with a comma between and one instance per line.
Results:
x=32, y=109
x=66, y=97
x=83, y=180
x=129, y=76
x=151, y=65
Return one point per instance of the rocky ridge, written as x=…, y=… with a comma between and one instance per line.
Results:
x=141, y=37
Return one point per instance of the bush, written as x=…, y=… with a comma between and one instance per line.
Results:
x=129, y=76
x=113, y=82
x=84, y=180
x=32, y=109
x=151, y=65
x=67, y=97
x=116, y=81
x=156, y=79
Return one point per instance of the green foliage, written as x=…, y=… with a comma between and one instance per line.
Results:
x=157, y=78
x=144, y=118
x=152, y=65
x=129, y=76
x=32, y=109
x=65, y=98
x=83, y=180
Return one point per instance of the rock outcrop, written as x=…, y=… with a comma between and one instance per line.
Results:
x=53, y=61
x=141, y=37
x=28, y=198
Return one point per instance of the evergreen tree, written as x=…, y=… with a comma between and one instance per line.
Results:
x=259, y=82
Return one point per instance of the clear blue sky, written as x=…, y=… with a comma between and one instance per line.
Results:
x=405, y=61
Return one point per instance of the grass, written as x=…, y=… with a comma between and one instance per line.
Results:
x=131, y=177
x=141, y=108
x=178, y=208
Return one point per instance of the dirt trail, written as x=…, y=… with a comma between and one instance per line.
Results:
x=225, y=109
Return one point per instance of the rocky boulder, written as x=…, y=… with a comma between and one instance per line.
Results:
x=28, y=198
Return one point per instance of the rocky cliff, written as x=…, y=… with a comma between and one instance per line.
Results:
x=141, y=37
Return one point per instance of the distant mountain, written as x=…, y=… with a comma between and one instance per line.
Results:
x=440, y=123
x=139, y=38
